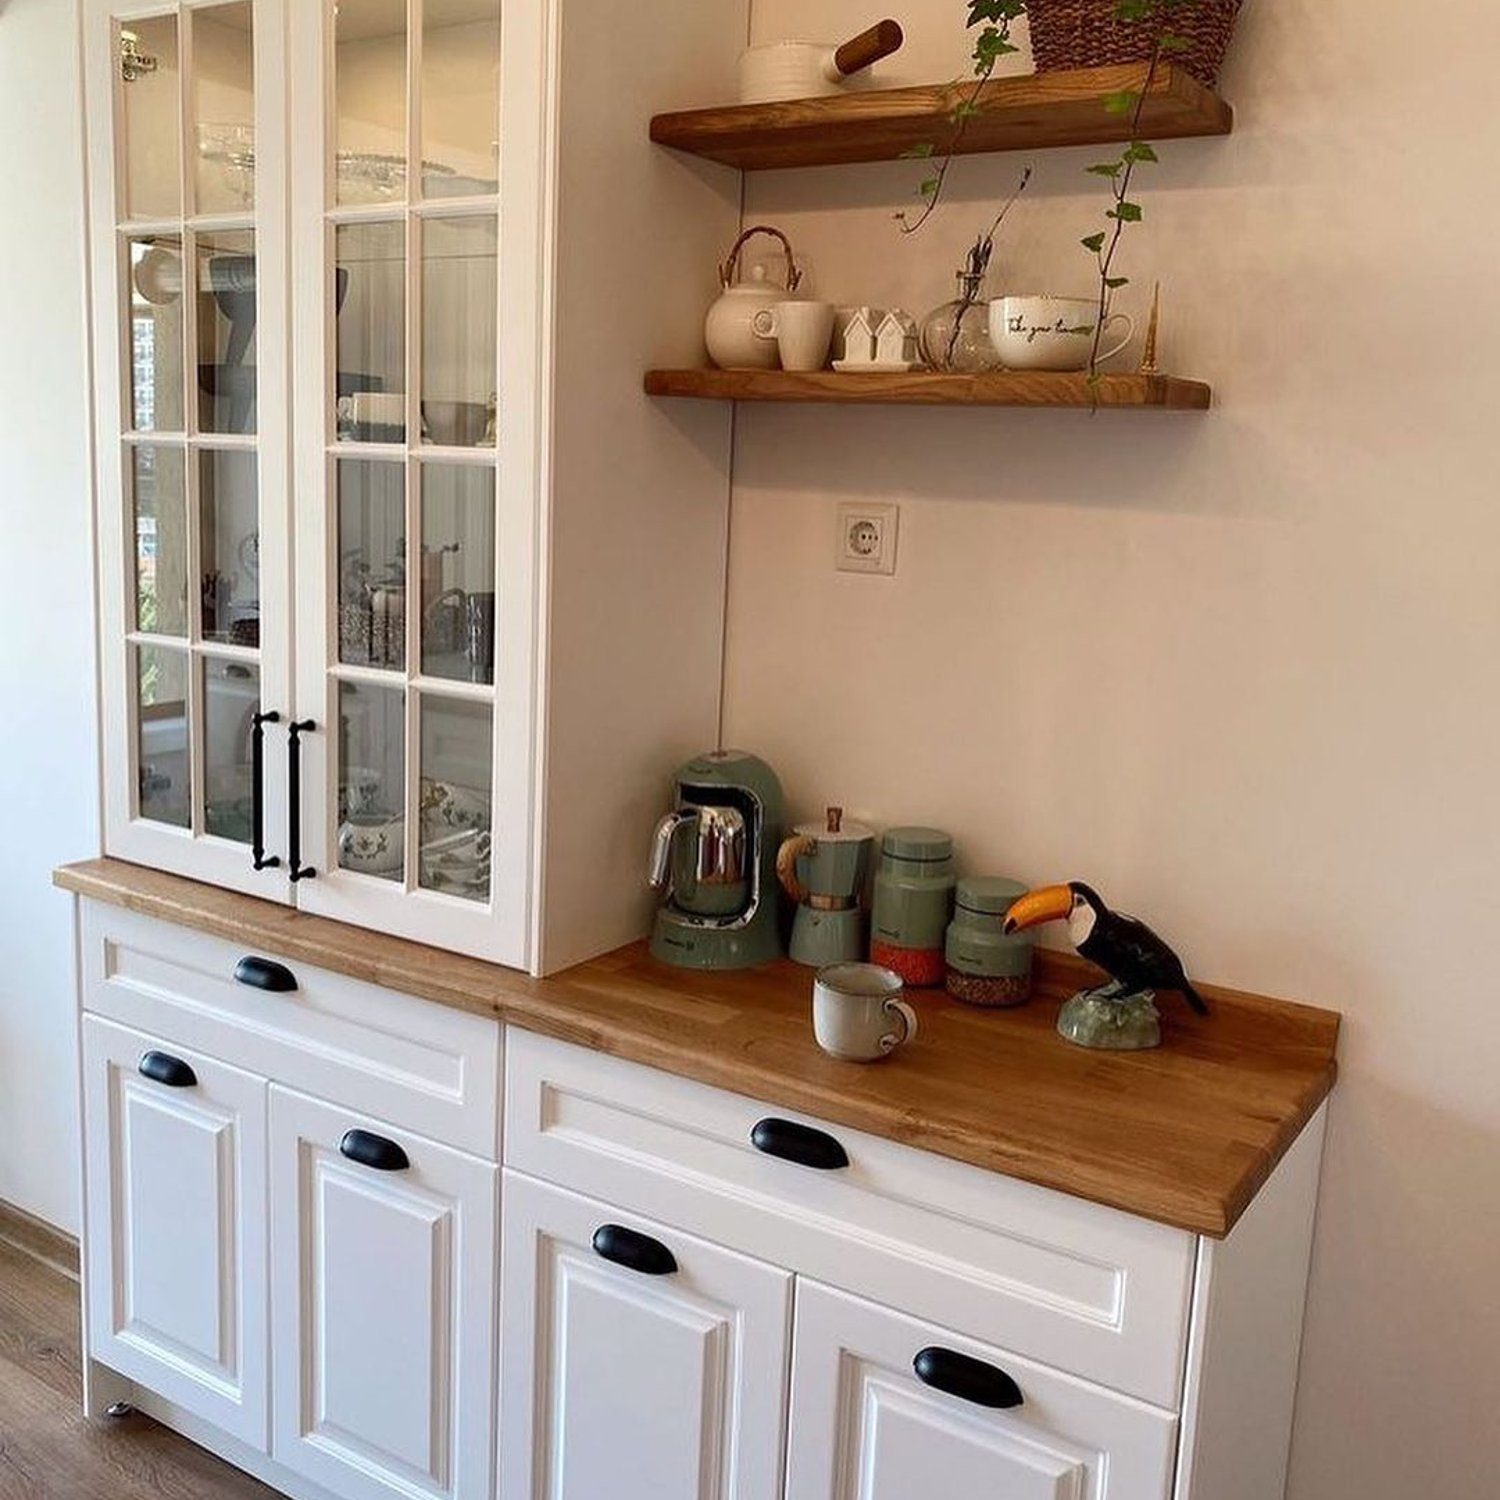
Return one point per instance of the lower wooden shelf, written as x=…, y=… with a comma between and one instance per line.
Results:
x=929, y=388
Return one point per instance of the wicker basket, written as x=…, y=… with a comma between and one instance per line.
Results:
x=1088, y=34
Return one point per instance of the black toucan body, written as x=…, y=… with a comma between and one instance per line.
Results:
x=1124, y=947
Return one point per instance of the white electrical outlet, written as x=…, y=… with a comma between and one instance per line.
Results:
x=866, y=537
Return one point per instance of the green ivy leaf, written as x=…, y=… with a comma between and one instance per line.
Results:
x=1106, y=168
x=1126, y=211
x=1140, y=151
x=928, y=187
x=967, y=108
x=1171, y=43
x=919, y=152
x=1094, y=242
x=1122, y=101
x=1132, y=10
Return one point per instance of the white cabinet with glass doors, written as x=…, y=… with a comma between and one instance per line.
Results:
x=357, y=461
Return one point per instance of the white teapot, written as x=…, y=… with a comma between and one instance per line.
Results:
x=729, y=329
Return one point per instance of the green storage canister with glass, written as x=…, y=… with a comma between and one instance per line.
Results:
x=985, y=966
x=913, y=902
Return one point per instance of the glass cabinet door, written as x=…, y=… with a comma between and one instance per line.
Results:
x=401, y=563
x=185, y=140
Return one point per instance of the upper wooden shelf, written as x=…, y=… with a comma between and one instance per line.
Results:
x=929, y=388
x=1022, y=113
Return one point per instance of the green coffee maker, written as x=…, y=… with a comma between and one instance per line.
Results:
x=822, y=866
x=714, y=857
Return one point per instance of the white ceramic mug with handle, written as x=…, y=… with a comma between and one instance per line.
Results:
x=802, y=330
x=1052, y=333
x=858, y=1012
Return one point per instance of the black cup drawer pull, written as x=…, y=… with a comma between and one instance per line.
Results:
x=371, y=1150
x=162, y=1067
x=265, y=974
x=634, y=1250
x=967, y=1378
x=799, y=1143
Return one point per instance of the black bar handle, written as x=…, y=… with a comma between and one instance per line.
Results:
x=799, y=1143
x=260, y=860
x=162, y=1067
x=294, y=732
x=265, y=974
x=371, y=1150
x=634, y=1250
x=967, y=1378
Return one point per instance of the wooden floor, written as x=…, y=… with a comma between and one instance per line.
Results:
x=47, y=1450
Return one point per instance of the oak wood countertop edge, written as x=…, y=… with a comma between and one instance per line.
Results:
x=989, y=1089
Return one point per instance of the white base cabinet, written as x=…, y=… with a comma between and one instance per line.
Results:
x=383, y=1278
x=886, y=1407
x=636, y=1359
x=175, y=1146
x=306, y=1249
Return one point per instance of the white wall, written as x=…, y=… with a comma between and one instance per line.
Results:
x=47, y=763
x=1237, y=669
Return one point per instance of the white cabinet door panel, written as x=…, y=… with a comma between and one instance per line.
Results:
x=383, y=1307
x=633, y=1384
x=865, y=1427
x=176, y=1255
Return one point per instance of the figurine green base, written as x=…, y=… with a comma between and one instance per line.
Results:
x=1111, y=1019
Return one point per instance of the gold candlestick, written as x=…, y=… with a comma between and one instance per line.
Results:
x=1148, y=352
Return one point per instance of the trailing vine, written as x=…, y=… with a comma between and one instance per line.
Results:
x=994, y=18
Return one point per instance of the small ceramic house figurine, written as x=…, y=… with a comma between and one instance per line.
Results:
x=857, y=338
x=896, y=340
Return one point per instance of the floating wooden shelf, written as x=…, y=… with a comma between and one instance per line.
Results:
x=927, y=388
x=1029, y=112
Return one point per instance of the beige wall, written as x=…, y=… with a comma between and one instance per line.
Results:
x=1237, y=669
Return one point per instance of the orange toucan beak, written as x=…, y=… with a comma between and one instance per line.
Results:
x=1048, y=903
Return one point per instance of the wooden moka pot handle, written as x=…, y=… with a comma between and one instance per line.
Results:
x=858, y=53
x=786, y=864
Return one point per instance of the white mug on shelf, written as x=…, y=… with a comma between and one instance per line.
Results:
x=858, y=1012
x=1051, y=333
x=803, y=331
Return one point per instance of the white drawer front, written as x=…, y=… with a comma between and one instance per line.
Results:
x=1086, y=1289
x=886, y=1407
x=422, y=1066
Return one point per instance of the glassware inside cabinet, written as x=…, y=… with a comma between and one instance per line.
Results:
x=460, y=97
x=455, y=822
x=370, y=288
x=372, y=563
x=459, y=291
x=372, y=780
x=223, y=107
x=370, y=101
x=458, y=572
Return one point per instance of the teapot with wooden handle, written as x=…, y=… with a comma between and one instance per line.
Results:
x=809, y=70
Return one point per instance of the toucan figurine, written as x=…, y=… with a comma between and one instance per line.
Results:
x=1133, y=956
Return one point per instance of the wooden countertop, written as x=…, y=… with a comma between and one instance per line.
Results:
x=1185, y=1134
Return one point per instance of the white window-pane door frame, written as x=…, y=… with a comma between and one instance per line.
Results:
x=499, y=929
x=191, y=851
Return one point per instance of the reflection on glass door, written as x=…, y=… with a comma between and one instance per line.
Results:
x=409, y=402
x=190, y=467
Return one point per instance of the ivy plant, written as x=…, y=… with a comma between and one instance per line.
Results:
x=993, y=20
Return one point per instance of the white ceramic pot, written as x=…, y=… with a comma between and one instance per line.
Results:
x=729, y=329
x=1051, y=333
